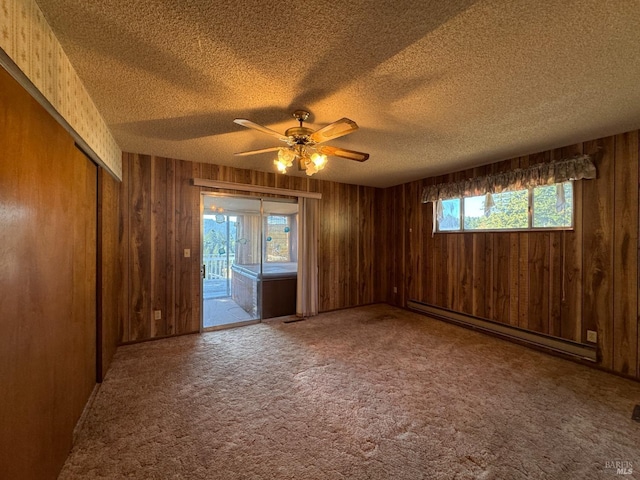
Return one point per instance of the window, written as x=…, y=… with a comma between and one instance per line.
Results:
x=450, y=220
x=277, y=234
x=545, y=207
x=548, y=211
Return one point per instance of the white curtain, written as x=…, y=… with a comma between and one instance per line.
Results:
x=248, y=246
x=307, y=294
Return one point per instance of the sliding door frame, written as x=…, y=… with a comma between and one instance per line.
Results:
x=261, y=199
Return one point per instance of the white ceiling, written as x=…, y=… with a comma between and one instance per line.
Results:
x=435, y=86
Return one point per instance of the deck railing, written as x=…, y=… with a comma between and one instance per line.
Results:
x=216, y=266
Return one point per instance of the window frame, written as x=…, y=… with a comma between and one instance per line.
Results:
x=530, y=215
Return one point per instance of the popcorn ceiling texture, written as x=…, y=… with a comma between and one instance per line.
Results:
x=28, y=40
x=368, y=393
x=435, y=86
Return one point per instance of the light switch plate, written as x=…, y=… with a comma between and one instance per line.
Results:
x=157, y=315
x=187, y=253
x=592, y=336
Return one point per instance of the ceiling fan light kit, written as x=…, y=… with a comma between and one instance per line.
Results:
x=303, y=144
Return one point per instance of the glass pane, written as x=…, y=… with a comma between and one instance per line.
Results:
x=280, y=269
x=277, y=233
x=509, y=211
x=231, y=258
x=451, y=215
x=548, y=211
x=473, y=211
x=218, y=252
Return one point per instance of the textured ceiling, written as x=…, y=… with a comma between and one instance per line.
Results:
x=435, y=86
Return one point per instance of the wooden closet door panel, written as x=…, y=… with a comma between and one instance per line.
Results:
x=47, y=286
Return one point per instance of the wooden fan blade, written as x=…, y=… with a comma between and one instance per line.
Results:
x=344, y=153
x=249, y=124
x=262, y=150
x=336, y=129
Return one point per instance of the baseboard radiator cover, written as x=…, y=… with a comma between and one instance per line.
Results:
x=567, y=347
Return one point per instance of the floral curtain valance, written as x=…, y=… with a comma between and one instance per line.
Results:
x=577, y=168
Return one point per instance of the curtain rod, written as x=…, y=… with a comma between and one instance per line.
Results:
x=245, y=187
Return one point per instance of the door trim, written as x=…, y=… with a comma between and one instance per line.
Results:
x=244, y=187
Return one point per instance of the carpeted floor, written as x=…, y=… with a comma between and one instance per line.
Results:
x=368, y=393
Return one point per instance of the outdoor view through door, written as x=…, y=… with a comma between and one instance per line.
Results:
x=249, y=259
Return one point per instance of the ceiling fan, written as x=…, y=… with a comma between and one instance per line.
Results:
x=304, y=144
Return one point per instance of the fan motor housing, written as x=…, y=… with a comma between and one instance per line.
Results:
x=300, y=134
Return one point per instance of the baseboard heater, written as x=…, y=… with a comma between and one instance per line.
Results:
x=587, y=352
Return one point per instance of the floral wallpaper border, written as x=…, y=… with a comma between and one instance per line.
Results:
x=28, y=40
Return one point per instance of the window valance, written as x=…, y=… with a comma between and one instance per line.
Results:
x=576, y=168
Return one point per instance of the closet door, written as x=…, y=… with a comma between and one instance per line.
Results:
x=48, y=205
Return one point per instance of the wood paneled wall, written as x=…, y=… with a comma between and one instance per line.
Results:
x=558, y=283
x=48, y=198
x=375, y=241
x=160, y=218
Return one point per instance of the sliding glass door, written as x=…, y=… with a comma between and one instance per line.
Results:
x=249, y=259
x=231, y=260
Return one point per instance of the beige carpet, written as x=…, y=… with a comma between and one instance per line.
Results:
x=367, y=393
